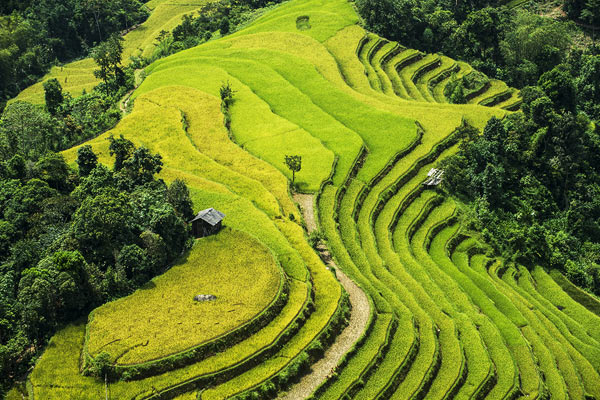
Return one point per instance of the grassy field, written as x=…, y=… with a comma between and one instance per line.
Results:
x=449, y=322
x=79, y=76
x=232, y=266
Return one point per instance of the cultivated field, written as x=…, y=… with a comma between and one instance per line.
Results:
x=370, y=119
x=162, y=317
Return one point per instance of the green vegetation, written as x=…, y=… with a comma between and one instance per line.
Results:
x=168, y=300
x=233, y=98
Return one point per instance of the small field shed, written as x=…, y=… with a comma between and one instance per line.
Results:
x=207, y=222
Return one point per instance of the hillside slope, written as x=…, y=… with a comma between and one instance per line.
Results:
x=369, y=119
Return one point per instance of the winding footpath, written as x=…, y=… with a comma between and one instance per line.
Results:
x=359, y=318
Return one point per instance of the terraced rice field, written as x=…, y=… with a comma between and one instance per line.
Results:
x=369, y=119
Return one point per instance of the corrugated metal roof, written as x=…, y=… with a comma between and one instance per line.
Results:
x=209, y=215
x=435, y=177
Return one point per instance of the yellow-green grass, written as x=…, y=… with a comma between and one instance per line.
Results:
x=424, y=82
x=209, y=136
x=395, y=285
x=326, y=18
x=59, y=365
x=585, y=371
x=386, y=370
x=438, y=90
x=343, y=258
x=232, y=266
x=392, y=72
x=327, y=300
x=75, y=77
x=14, y=394
x=386, y=84
x=187, y=396
x=513, y=101
x=407, y=74
x=588, y=300
x=160, y=128
x=363, y=363
x=435, y=305
x=382, y=131
x=495, y=87
x=556, y=365
x=570, y=328
x=255, y=127
x=520, y=350
x=364, y=52
x=279, y=94
x=456, y=296
x=554, y=293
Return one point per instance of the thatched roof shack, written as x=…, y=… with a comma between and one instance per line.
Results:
x=207, y=222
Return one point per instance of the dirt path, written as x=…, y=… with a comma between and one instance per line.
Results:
x=125, y=102
x=345, y=340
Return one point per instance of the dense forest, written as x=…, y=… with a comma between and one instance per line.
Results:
x=34, y=35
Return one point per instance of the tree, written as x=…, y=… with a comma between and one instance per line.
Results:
x=53, y=169
x=224, y=26
x=226, y=93
x=102, y=225
x=54, y=95
x=141, y=166
x=178, y=196
x=107, y=56
x=28, y=130
x=135, y=263
x=120, y=148
x=294, y=164
x=558, y=84
x=86, y=160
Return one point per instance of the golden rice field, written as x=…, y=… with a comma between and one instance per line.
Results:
x=369, y=118
x=162, y=318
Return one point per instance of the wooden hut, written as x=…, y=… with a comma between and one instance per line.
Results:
x=207, y=222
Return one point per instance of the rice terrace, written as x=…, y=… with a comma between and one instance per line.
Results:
x=342, y=276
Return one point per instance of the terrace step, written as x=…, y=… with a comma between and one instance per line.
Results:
x=391, y=65
x=409, y=73
x=425, y=84
x=392, y=365
x=384, y=52
x=365, y=52
x=495, y=91
x=363, y=362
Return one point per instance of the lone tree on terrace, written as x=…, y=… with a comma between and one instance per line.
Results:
x=294, y=163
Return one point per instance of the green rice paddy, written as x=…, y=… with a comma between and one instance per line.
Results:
x=369, y=119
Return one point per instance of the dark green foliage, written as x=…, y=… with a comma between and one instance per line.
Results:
x=107, y=56
x=178, y=196
x=53, y=95
x=587, y=11
x=294, y=164
x=532, y=182
x=135, y=263
x=122, y=149
x=37, y=34
x=101, y=365
x=509, y=44
x=86, y=160
x=27, y=130
x=70, y=242
x=224, y=26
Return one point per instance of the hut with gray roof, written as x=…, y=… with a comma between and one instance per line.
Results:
x=207, y=222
